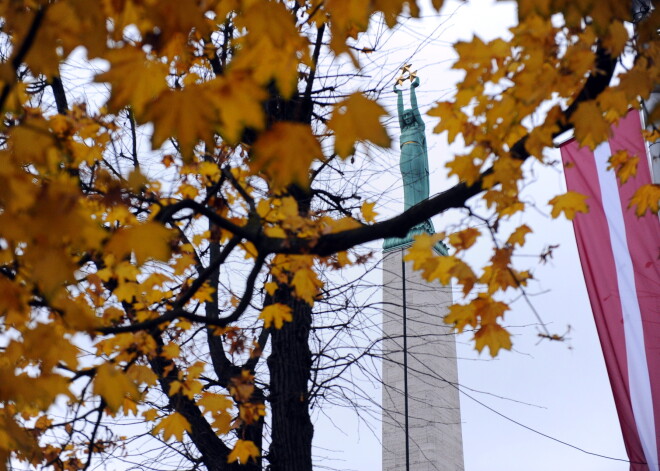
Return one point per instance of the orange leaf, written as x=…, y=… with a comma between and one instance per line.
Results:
x=464, y=239
x=518, y=236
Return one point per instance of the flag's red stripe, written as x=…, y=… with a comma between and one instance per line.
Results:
x=598, y=266
x=643, y=235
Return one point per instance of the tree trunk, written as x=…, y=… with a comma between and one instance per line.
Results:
x=289, y=364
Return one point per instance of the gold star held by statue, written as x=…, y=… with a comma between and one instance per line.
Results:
x=406, y=70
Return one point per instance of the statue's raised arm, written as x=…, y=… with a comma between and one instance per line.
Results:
x=414, y=160
x=413, y=101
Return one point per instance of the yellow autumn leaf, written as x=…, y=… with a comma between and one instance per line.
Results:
x=464, y=239
x=422, y=249
x=147, y=241
x=272, y=49
x=113, y=386
x=616, y=38
x=493, y=336
x=285, y=152
x=142, y=374
x=569, y=203
x=173, y=425
x=215, y=402
x=624, y=164
x=461, y=315
x=276, y=314
x=134, y=79
x=171, y=350
x=392, y=9
x=270, y=287
x=150, y=415
x=306, y=285
x=357, y=119
x=451, y=120
x=188, y=388
x=487, y=309
x=646, y=198
x=171, y=114
x=368, y=212
x=243, y=451
x=464, y=167
x=591, y=128
x=518, y=236
x=238, y=101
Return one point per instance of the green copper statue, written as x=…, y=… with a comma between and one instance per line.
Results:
x=414, y=162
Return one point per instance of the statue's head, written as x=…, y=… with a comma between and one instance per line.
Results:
x=408, y=117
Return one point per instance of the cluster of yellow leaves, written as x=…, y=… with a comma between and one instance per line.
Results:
x=509, y=83
x=483, y=311
x=82, y=249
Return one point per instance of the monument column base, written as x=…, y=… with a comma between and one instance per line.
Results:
x=433, y=431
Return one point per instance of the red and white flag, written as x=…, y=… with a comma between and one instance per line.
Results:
x=620, y=260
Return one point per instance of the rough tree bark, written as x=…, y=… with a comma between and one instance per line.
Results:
x=290, y=363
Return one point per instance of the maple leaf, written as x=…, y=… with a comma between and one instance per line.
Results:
x=368, y=213
x=171, y=114
x=392, y=9
x=243, y=451
x=357, y=119
x=422, y=249
x=146, y=241
x=461, y=315
x=451, y=120
x=464, y=239
x=188, y=388
x=276, y=314
x=285, y=153
x=465, y=168
x=174, y=425
x=113, y=385
x=616, y=38
x=215, y=402
x=518, y=236
x=493, y=336
x=134, y=78
x=306, y=285
x=569, y=203
x=646, y=198
x=625, y=165
x=272, y=49
x=591, y=128
x=237, y=98
x=142, y=374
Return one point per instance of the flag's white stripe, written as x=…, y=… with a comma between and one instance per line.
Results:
x=638, y=371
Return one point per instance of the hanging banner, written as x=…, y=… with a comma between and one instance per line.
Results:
x=620, y=256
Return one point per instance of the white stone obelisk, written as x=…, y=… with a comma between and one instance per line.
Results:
x=421, y=415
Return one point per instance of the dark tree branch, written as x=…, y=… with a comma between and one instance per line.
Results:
x=59, y=94
x=22, y=51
